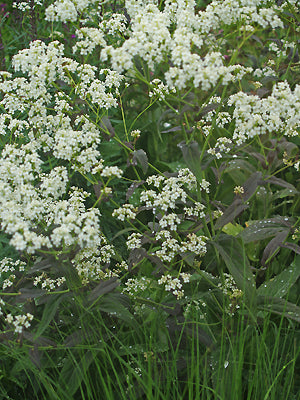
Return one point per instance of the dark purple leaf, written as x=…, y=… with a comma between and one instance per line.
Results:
x=282, y=183
x=292, y=246
x=26, y=293
x=231, y=251
x=263, y=229
x=279, y=306
x=141, y=157
x=35, y=357
x=132, y=188
x=103, y=288
x=106, y=126
x=231, y=212
x=274, y=246
x=97, y=189
x=41, y=341
x=136, y=256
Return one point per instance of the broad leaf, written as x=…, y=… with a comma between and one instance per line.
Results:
x=281, y=284
x=279, y=306
x=263, y=229
x=50, y=310
x=140, y=157
x=103, y=288
x=231, y=251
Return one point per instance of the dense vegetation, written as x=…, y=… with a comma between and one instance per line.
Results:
x=149, y=199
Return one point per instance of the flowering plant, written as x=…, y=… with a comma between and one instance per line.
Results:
x=148, y=172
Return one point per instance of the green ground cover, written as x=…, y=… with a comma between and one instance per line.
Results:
x=149, y=200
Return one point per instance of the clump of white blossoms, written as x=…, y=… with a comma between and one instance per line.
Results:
x=47, y=283
x=76, y=141
x=67, y=10
x=135, y=286
x=38, y=209
x=91, y=262
x=89, y=38
x=178, y=32
x=170, y=202
x=159, y=89
x=8, y=270
x=229, y=289
x=19, y=321
x=174, y=285
x=278, y=113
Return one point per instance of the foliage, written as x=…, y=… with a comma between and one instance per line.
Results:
x=149, y=202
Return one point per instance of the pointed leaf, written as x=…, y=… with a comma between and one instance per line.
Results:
x=274, y=246
x=73, y=372
x=132, y=188
x=103, y=288
x=279, y=306
x=281, y=284
x=292, y=246
x=239, y=205
x=141, y=157
x=115, y=305
x=107, y=127
x=231, y=212
x=232, y=252
x=50, y=310
x=191, y=155
x=263, y=229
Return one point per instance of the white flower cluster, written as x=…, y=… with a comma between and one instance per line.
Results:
x=196, y=211
x=90, y=261
x=230, y=290
x=134, y=241
x=19, y=321
x=30, y=209
x=279, y=112
x=195, y=307
x=126, y=211
x=170, y=247
x=67, y=10
x=89, y=38
x=134, y=286
x=194, y=244
x=170, y=220
x=26, y=5
x=223, y=145
x=7, y=268
x=179, y=32
x=174, y=285
x=171, y=190
x=47, y=283
x=76, y=141
x=159, y=89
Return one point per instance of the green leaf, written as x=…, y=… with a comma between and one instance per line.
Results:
x=49, y=311
x=281, y=284
x=102, y=288
x=279, y=306
x=115, y=304
x=232, y=229
x=263, y=229
x=73, y=371
x=233, y=254
x=141, y=157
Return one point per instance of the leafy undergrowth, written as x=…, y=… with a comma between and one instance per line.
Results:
x=149, y=200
